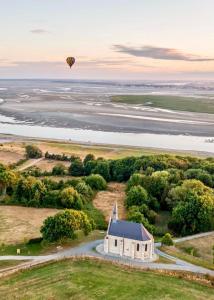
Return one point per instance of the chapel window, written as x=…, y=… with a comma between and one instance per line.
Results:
x=138, y=247
x=115, y=243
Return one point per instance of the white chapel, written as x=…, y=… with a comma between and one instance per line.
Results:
x=128, y=239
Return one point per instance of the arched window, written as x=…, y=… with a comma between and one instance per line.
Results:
x=138, y=247
x=146, y=247
x=115, y=243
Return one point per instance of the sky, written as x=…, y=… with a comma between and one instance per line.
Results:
x=110, y=39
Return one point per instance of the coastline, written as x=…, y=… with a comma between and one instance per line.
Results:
x=10, y=138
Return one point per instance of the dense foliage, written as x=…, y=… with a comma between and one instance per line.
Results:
x=64, y=225
x=33, y=151
x=181, y=185
x=167, y=240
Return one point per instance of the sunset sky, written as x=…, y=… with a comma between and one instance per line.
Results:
x=121, y=39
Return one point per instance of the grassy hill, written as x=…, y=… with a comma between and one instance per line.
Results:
x=200, y=105
x=96, y=280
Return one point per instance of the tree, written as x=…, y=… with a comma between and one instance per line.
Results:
x=59, y=169
x=201, y=175
x=76, y=168
x=96, y=182
x=136, y=216
x=102, y=168
x=167, y=240
x=194, y=210
x=135, y=179
x=137, y=195
x=84, y=190
x=158, y=185
x=89, y=157
x=70, y=198
x=33, y=151
x=7, y=178
x=64, y=225
x=29, y=191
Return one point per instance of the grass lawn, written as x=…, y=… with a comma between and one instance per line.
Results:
x=201, y=105
x=197, y=251
x=98, y=280
x=45, y=248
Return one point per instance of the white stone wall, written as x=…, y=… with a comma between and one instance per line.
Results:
x=128, y=247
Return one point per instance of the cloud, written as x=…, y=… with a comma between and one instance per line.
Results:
x=160, y=53
x=39, y=31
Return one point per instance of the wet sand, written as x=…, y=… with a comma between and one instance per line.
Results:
x=94, y=113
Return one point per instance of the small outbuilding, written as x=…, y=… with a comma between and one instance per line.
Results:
x=128, y=239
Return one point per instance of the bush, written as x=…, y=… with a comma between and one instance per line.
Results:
x=96, y=182
x=167, y=240
x=33, y=151
x=35, y=241
x=64, y=224
x=59, y=169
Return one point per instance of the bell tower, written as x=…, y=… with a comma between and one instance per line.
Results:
x=114, y=216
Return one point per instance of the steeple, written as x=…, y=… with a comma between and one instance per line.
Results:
x=114, y=216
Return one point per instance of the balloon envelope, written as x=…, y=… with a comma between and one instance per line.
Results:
x=70, y=61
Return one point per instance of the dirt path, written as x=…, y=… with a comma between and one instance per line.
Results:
x=105, y=200
x=29, y=163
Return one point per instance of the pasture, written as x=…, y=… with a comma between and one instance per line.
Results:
x=98, y=280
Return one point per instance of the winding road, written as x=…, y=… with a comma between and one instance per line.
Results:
x=87, y=250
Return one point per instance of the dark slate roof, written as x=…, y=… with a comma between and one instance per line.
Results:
x=129, y=230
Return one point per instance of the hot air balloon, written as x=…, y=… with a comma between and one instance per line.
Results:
x=70, y=61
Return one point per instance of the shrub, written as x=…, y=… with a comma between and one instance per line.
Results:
x=59, y=169
x=96, y=182
x=33, y=151
x=35, y=240
x=167, y=240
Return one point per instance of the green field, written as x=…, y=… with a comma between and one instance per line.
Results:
x=47, y=248
x=98, y=280
x=10, y=263
x=201, y=105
